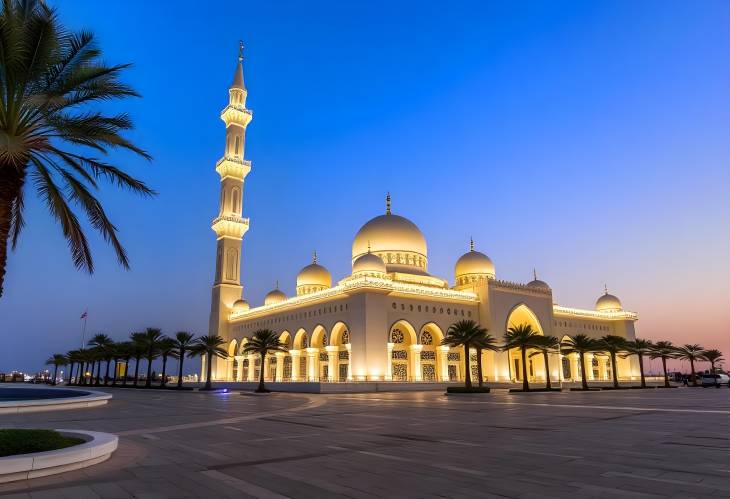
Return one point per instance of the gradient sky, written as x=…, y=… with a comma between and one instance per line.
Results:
x=590, y=140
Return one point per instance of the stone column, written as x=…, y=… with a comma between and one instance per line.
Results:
x=389, y=366
x=266, y=368
x=280, y=366
x=333, y=353
x=443, y=362
x=239, y=371
x=312, y=363
x=589, y=367
x=229, y=368
x=415, y=352
x=348, y=347
x=294, y=365
x=252, y=368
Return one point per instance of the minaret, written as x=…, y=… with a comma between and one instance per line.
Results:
x=229, y=225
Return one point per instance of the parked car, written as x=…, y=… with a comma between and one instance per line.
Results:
x=715, y=380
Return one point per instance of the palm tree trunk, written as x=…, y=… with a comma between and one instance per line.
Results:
x=479, y=367
x=55, y=373
x=98, y=373
x=666, y=377
x=261, y=388
x=180, y=368
x=209, y=371
x=136, y=370
x=11, y=185
x=70, y=372
x=106, y=373
x=583, y=376
x=467, y=364
x=692, y=367
x=81, y=370
x=126, y=371
x=525, y=383
x=114, y=374
x=548, y=385
x=641, y=370
x=614, y=370
x=148, y=381
x=164, y=369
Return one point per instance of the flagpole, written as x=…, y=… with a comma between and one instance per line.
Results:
x=83, y=331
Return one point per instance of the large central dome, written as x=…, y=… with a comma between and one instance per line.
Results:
x=396, y=240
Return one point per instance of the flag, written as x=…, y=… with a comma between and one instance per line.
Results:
x=83, y=316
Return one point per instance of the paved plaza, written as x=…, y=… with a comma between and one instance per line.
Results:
x=631, y=443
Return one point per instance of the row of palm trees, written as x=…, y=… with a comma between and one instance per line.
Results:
x=86, y=364
x=530, y=342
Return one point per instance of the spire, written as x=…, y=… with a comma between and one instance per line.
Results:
x=238, y=76
x=277, y=284
x=471, y=244
x=605, y=289
x=387, y=204
x=534, y=274
x=314, y=257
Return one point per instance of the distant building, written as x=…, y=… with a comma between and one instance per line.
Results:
x=385, y=321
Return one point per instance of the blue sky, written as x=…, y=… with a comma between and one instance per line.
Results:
x=586, y=139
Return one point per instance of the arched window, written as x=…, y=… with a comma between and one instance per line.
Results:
x=426, y=338
x=235, y=200
x=238, y=144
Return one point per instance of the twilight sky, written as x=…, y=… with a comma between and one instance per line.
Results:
x=590, y=140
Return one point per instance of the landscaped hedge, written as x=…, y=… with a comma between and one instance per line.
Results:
x=16, y=441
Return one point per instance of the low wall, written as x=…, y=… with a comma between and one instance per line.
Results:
x=97, y=448
x=84, y=400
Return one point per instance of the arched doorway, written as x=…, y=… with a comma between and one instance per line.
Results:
x=536, y=369
x=401, y=340
x=318, y=358
x=284, y=373
x=339, y=353
x=299, y=356
x=433, y=355
x=231, y=364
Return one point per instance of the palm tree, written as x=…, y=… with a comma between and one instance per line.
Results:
x=73, y=359
x=664, y=350
x=152, y=337
x=713, y=356
x=263, y=342
x=126, y=350
x=167, y=348
x=464, y=333
x=58, y=359
x=102, y=344
x=613, y=345
x=691, y=353
x=139, y=347
x=183, y=341
x=483, y=341
x=640, y=348
x=523, y=337
x=51, y=80
x=546, y=344
x=85, y=356
x=210, y=346
x=581, y=345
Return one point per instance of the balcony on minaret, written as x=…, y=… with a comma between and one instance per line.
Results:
x=233, y=167
x=235, y=114
x=230, y=226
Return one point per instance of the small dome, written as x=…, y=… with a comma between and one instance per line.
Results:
x=313, y=277
x=273, y=297
x=473, y=264
x=369, y=263
x=608, y=303
x=537, y=283
x=240, y=306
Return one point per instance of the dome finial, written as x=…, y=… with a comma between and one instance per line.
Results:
x=314, y=257
x=277, y=284
x=471, y=244
x=387, y=204
x=368, y=245
x=534, y=273
x=605, y=289
x=240, y=50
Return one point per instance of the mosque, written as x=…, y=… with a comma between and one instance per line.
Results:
x=385, y=321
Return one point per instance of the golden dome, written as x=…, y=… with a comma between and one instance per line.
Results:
x=369, y=263
x=273, y=297
x=240, y=306
x=608, y=303
x=473, y=265
x=313, y=277
x=396, y=240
